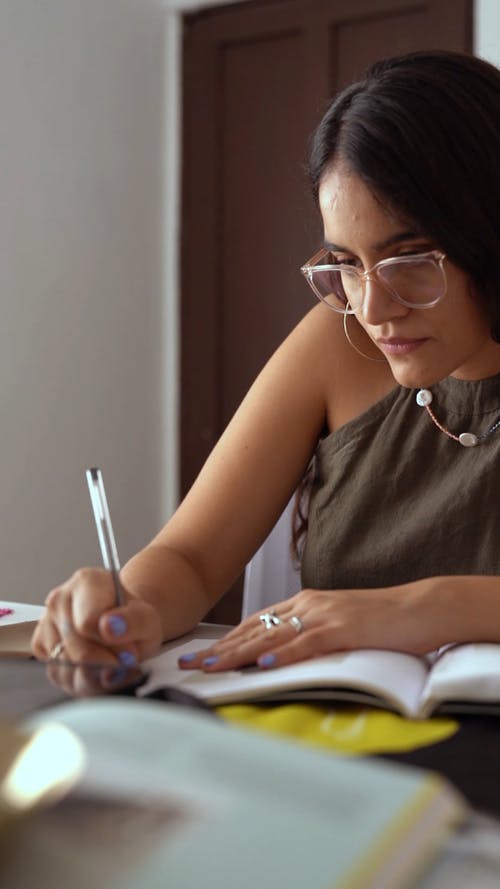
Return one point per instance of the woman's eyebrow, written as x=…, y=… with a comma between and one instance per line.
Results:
x=398, y=238
x=391, y=241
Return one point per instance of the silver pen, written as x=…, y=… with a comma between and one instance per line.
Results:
x=105, y=530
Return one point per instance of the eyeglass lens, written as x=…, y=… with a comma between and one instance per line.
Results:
x=418, y=282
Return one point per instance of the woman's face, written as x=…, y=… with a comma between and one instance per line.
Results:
x=422, y=346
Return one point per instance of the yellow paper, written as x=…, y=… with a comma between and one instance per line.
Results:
x=349, y=730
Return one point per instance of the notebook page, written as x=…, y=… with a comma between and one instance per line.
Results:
x=17, y=622
x=468, y=672
x=392, y=676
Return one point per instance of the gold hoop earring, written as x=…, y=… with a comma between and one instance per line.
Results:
x=349, y=340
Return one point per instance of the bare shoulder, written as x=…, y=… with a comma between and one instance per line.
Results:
x=351, y=375
x=318, y=377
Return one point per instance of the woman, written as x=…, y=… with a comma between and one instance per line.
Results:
x=402, y=549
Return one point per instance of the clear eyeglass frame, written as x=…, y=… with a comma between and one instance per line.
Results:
x=434, y=257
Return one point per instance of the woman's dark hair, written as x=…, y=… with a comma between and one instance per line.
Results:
x=423, y=132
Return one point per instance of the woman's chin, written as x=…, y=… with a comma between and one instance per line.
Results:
x=413, y=377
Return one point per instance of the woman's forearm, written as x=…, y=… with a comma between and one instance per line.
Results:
x=168, y=581
x=462, y=608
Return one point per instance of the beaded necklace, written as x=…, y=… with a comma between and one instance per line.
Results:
x=466, y=439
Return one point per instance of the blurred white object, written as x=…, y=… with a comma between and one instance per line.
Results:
x=37, y=767
x=271, y=575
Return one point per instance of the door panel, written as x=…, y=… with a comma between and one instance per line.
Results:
x=262, y=186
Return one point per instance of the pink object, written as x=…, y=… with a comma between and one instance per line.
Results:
x=5, y=611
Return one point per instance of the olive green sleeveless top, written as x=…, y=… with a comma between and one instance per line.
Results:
x=394, y=499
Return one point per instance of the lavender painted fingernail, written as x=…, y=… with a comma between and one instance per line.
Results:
x=210, y=660
x=267, y=660
x=187, y=658
x=127, y=658
x=117, y=625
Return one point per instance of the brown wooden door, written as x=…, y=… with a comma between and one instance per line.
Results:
x=257, y=77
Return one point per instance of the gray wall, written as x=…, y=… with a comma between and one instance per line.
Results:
x=82, y=280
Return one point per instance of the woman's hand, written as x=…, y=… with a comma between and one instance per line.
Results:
x=328, y=621
x=82, y=625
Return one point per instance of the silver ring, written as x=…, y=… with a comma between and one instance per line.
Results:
x=296, y=623
x=56, y=651
x=270, y=619
x=67, y=627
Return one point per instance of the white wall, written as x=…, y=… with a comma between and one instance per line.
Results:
x=82, y=279
x=487, y=30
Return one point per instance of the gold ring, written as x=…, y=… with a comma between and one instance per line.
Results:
x=56, y=651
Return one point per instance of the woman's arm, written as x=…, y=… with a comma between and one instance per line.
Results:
x=241, y=490
x=232, y=506
x=415, y=617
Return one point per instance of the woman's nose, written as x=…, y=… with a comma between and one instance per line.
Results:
x=379, y=304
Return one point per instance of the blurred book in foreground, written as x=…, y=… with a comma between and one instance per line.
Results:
x=237, y=809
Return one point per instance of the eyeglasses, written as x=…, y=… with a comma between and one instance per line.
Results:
x=417, y=281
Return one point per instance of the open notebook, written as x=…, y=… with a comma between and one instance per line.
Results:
x=462, y=678
x=17, y=622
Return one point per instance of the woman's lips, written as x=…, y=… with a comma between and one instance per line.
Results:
x=399, y=345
